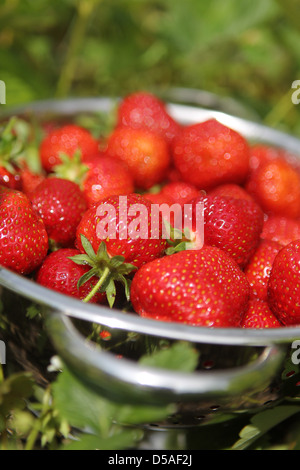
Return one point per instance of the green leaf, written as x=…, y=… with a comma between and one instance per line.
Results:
x=14, y=391
x=263, y=422
x=179, y=356
x=87, y=246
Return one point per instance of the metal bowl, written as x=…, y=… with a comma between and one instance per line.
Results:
x=239, y=369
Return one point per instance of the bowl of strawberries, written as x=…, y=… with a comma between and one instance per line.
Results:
x=168, y=224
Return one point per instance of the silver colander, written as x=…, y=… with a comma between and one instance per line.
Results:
x=239, y=369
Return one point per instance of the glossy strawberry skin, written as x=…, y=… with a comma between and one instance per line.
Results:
x=197, y=287
x=66, y=139
x=145, y=153
x=58, y=272
x=234, y=225
x=23, y=237
x=275, y=186
x=180, y=192
x=284, y=286
x=231, y=190
x=259, y=267
x=136, y=251
x=106, y=177
x=60, y=204
x=144, y=110
x=208, y=154
x=281, y=229
x=259, y=315
x=10, y=180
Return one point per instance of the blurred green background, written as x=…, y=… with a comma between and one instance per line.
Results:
x=247, y=50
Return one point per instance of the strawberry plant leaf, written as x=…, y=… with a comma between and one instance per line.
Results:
x=179, y=356
x=261, y=423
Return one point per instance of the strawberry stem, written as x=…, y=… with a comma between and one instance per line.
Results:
x=97, y=286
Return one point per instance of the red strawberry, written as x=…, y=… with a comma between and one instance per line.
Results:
x=198, y=287
x=231, y=190
x=262, y=153
x=10, y=179
x=60, y=204
x=234, y=225
x=23, y=238
x=66, y=140
x=144, y=110
x=259, y=267
x=259, y=315
x=275, y=185
x=208, y=154
x=58, y=272
x=30, y=180
x=124, y=224
x=145, y=153
x=106, y=177
x=284, y=285
x=281, y=229
x=180, y=192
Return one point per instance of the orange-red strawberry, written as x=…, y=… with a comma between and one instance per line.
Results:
x=275, y=185
x=208, y=154
x=23, y=237
x=259, y=267
x=262, y=153
x=259, y=315
x=281, y=229
x=284, y=285
x=145, y=110
x=146, y=154
x=58, y=272
x=67, y=139
x=60, y=204
x=198, y=287
x=234, y=225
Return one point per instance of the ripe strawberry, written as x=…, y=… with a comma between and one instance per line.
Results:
x=234, y=225
x=106, y=177
x=208, y=154
x=281, y=229
x=262, y=153
x=144, y=110
x=66, y=140
x=58, y=272
x=60, y=204
x=259, y=315
x=124, y=224
x=275, y=185
x=10, y=179
x=259, y=267
x=145, y=153
x=30, y=180
x=23, y=238
x=231, y=190
x=180, y=192
x=198, y=287
x=284, y=286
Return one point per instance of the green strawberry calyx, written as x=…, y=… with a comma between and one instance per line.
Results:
x=71, y=168
x=180, y=240
x=108, y=269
